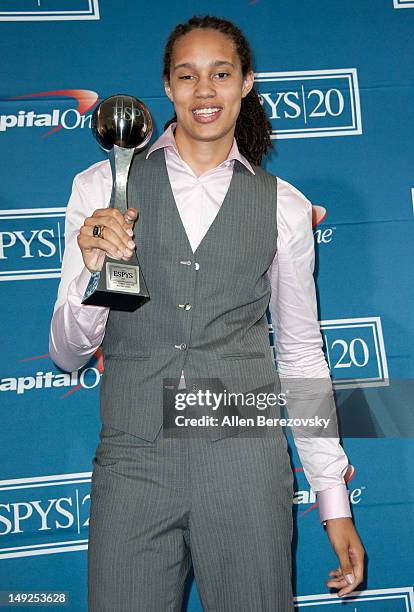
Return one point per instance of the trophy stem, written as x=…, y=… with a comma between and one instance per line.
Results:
x=120, y=159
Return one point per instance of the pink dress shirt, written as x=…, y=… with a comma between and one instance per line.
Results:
x=77, y=330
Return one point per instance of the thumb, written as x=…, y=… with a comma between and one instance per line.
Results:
x=131, y=215
x=346, y=567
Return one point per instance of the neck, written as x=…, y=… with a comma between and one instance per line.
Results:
x=201, y=155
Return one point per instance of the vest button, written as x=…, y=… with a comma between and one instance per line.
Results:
x=187, y=306
x=181, y=346
x=197, y=266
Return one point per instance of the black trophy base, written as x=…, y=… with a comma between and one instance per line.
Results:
x=120, y=286
x=116, y=301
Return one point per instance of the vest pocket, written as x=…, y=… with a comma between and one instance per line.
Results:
x=254, y=355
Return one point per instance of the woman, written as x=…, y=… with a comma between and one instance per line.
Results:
x=223, y=506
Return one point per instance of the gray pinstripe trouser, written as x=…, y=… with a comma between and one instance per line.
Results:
x=156, y=507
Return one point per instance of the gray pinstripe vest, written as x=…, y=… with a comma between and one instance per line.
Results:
x=207, y=312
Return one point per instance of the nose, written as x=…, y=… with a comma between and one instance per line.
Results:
x=205, y=87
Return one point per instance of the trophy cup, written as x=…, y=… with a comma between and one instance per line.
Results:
x=122, y=125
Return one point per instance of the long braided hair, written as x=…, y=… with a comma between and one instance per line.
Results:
x=253, y=127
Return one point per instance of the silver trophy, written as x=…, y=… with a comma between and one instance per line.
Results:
x=122, y=125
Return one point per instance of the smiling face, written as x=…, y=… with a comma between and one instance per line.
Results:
x=206, y=85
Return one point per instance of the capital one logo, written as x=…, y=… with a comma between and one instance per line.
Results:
x=48, y=10
x=44, y=515
x=311, y=103
x=56, y=118
x=31, y=380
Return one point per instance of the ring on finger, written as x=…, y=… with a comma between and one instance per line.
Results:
x=98, y=231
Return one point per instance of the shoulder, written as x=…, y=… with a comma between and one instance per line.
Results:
x=294, y=214
x=293, y=207
x=291, y=201
x=285, y=190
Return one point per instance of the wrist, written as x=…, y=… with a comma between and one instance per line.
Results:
x=340, y=520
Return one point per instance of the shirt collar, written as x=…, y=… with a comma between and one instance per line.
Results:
x=167, y=140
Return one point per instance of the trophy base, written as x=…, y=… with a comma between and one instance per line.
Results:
x=116, y=301
x=120, y=286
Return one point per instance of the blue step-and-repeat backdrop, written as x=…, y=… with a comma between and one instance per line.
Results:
x=337, y=81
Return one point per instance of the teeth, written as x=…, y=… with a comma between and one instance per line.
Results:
x=205, y=111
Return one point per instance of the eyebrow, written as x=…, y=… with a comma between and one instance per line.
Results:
x=216, y=63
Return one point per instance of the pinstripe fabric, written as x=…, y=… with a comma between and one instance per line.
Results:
x=225, y=332
x=157, y=507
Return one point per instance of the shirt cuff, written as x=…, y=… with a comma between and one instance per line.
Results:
x=333, y=503
x=90, y=319
x=82, y=282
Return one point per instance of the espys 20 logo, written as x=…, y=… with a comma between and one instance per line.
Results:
x=311, y=103
x=48, y=10
x=31, y=243
x=44, y=515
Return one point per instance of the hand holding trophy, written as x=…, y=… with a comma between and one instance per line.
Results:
x=122, y=125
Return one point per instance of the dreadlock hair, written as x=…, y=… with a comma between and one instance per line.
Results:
x=253, y=127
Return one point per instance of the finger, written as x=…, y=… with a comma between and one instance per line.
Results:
x=351, y=562
x=125, y=220
x=346, y=590
x=119, y=245
x=337, y=583
x=336, y=575
x=131, y=215
x=128, y=225
x=88, y=243
x=109, y=212
x=113, y=231
x=110, y=243
x=356, y=554
x=346, y=565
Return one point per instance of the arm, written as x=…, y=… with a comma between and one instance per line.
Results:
x=299, y=347
x=76, y=331
x=299, y=356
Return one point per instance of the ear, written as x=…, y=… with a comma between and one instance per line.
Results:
x=168, y=90
x=248, y=82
